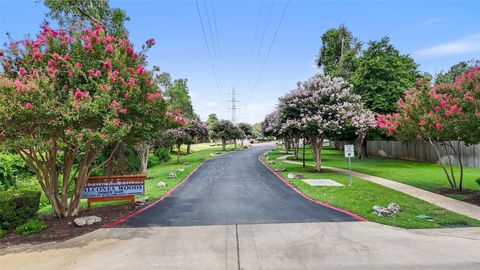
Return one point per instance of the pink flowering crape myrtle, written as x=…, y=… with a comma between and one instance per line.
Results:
x=443, y=115
x=66, y=94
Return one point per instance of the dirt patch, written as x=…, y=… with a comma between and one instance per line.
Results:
x=470, y=196
x=61, y=229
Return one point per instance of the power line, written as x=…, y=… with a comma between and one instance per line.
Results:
x=209, y=27
x=256, y=27
x=209, y=53
x=268, y=53
x=216, y=32
x=264, y=31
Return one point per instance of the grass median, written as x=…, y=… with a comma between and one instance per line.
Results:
x=428, y=176
x=362, y=195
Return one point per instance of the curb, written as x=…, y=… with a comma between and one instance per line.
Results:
x=305, y=196
x=123, y=219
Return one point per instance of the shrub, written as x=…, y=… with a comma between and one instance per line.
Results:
x=162, y=154
x=2, y=233
x=478, y=181
x=17, y=206
x=32, y=226
x=12, y=168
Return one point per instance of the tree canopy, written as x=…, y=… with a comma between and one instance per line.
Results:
x=382, y=74
x=338, y=51
x=95, y=12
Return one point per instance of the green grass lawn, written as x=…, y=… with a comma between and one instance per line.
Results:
x=159, y=173
x=362, y=195
x=428, y=176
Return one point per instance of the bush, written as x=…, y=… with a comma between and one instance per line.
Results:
x=32, y=226
x=162, y=154
x=17, y=206
x=478, y=181
x=12, y=168
x=2, y=233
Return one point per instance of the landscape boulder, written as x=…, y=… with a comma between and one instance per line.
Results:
x=279, y=169
x=181, y=169
x=172, y=175
x=295, y=176
x=390, y=211
x=161, y=184
x=141, y=201
x=87, y=221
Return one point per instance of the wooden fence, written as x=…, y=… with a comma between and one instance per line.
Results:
x=418, y=151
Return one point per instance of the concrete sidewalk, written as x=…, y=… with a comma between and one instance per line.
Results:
x=450, y=204
x=322, y=245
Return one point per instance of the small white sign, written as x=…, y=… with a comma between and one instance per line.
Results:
x=349, y=150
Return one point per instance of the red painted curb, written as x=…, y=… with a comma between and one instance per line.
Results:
x=305, y=196
x=111, y=225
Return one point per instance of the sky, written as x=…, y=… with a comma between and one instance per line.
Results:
x=262, y=48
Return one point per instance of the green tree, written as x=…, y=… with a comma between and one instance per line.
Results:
x=257, y=130
x=338, y=51
x=95, y=12
x=225, y=130
x=212, y=119
x=178, y=98
x=382, y=74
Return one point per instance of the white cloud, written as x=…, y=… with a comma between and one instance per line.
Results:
x=464, y=45
x=211, y=104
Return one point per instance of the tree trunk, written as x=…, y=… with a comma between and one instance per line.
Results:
x=317, y=142
x=46, y=168
x=178, y=152
x=224, y=143
x=361, y=146
x=442, y=165
x=143, y=150
x=286, y=142
x=296, y=145
x=188, y=148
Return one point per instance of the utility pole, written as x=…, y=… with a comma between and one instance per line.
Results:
x=234, y=107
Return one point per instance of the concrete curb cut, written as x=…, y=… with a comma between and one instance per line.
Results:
x=305, y=196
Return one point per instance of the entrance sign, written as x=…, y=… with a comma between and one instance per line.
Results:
x=110, y=188
x=349, y=153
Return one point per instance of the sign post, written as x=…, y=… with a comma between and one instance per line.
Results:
x=349, y=153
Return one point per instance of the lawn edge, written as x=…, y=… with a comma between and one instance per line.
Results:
x=360, y=218
x=125, y=218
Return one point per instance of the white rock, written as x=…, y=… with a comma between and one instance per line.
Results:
x=181, y=169
x=87, y=221
x=161, y=184
x=394, y=207
x=141, y=201
x=291, y=176
x=383, y=211
x=299, y=176
x=172, y=175
x=279, y=169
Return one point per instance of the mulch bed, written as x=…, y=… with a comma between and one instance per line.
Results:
x=60, y=229
x=470, y=196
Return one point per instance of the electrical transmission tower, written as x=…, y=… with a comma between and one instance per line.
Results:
x=234, y=107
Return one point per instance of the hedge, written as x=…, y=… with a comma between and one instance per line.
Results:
x=17, y=207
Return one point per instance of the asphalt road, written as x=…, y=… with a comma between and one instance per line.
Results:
x=234, y=189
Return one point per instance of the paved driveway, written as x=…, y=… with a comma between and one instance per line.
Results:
x=234, y=189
